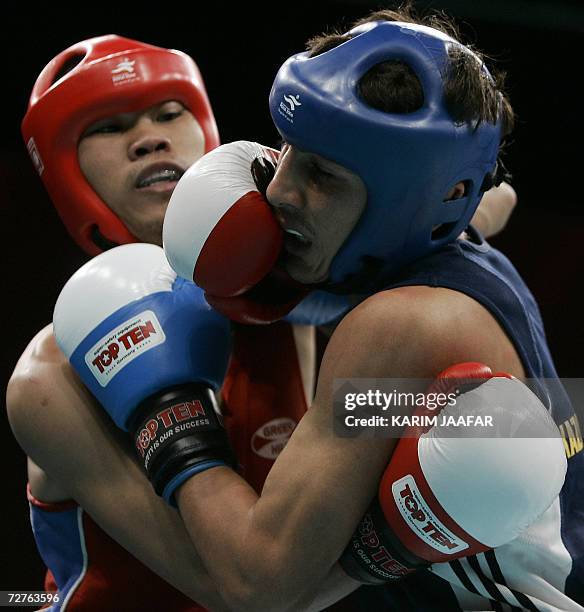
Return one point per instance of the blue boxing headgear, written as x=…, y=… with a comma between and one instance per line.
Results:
x=408, y=162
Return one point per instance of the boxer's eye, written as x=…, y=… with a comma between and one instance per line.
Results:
x=169, y=111
x=110, y=127
x=319, y=174
x=169, y=116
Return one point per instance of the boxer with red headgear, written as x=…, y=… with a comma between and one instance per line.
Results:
x=112, y=124
x=100, y=79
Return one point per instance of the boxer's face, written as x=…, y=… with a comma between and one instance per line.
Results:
x=134, y=160
x=317, y=203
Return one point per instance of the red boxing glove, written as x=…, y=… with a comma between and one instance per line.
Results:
x=219, y=231
x=447, y=493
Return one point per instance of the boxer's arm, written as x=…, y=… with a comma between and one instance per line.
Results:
x=48, y=407
x=321, y=484
x=60, y=426
x=494, y=210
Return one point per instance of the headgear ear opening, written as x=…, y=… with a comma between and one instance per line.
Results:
x=100, y=241
x=91, y=80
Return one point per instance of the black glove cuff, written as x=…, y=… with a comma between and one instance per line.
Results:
x=176, y=429
x=374, y=555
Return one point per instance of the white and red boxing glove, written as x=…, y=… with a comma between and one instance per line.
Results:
x=220, y=232
x=447, y=493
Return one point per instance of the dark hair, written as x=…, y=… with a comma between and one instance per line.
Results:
x=393, y=87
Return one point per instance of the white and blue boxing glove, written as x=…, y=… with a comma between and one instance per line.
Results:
x=152, y=351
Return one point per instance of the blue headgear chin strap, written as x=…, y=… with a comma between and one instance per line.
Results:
x=408, y=162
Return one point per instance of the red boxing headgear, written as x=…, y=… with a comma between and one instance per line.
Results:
x=111, y=75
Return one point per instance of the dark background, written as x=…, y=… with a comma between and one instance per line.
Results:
x=238, y=51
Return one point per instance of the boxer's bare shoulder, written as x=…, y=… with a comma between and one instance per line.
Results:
x=433, y=327
x=41, y=370
x=37, y=372
x=29, y=401
x=31, y=383
x=41, y=351
x=48, y=406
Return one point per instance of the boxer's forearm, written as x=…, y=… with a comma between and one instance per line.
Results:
x=151, y=531
x=60, y=427
x=225, y=531
x=171, y=555
x=217, y=509
x=249, y=563
x=274, y=552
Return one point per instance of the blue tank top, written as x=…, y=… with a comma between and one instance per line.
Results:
x=474, y=268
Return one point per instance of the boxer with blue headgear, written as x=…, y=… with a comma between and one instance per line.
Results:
x=374, y=189
x=404, y=162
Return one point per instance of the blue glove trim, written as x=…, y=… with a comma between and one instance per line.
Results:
x=172, y=486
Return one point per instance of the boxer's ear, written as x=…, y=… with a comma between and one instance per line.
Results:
x=457, y=192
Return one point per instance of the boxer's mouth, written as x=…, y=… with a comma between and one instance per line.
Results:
x=296, y=243
x=159, y=176
x=295, y=233
x=298, y=236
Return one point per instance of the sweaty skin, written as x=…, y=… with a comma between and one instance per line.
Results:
x=307, y=210
x=301, y=193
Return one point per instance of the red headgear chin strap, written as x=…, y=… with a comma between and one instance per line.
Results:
x=111, y=75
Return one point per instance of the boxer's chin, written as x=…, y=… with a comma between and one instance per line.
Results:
x=148, y=229
x=300, y=270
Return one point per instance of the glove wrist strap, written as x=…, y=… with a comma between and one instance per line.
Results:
x=179, y=431
x=374, y=555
